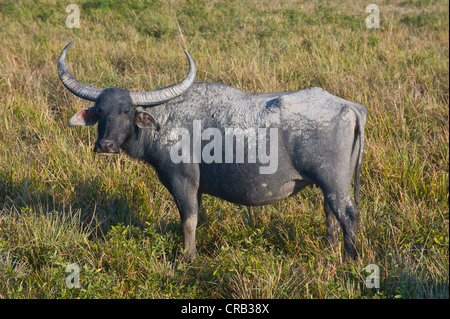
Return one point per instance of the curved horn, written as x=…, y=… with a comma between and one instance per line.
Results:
x=72, y=84
x=162, y=95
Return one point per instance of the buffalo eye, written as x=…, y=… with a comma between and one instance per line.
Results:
x=125, y=112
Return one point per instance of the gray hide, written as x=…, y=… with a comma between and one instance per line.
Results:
x=320, y=139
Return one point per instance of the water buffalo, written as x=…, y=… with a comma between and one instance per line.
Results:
x=315, y=138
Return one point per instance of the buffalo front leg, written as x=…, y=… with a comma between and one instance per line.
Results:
x=189, y=228
x=188, y=204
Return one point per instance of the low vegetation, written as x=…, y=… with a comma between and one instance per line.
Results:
x=62, y=205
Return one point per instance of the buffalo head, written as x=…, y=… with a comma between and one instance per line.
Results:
x=118, y=112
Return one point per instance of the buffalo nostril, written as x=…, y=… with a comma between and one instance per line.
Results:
x=106, y=146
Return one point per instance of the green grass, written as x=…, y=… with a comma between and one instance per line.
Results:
x=60, y=204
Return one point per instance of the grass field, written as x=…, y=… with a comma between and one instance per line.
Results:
x=60, y=204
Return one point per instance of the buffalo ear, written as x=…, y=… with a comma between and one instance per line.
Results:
x=145, y=120
x=86, y=117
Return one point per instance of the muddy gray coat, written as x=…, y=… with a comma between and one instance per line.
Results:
x=292, y=139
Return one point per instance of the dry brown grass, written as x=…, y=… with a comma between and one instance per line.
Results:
x=60, y=204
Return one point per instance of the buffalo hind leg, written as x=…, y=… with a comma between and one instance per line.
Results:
x=347, y=214
x=333, y=227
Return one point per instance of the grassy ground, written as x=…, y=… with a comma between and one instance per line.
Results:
x=60, y=204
